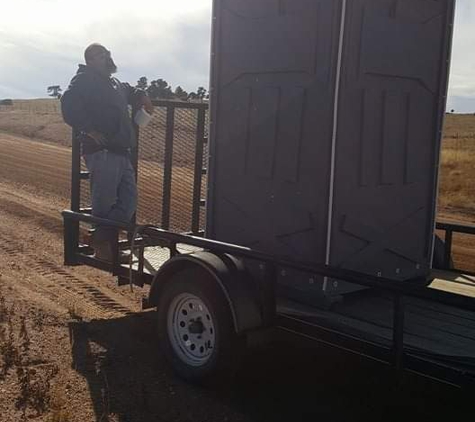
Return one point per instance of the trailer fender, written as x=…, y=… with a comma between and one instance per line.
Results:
x=230, y=276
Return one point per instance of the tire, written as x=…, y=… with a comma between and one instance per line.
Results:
x=196, y=330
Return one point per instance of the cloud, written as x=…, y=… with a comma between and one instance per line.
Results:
x=461, y=104
x=462, y=74
x=175, y=51
x=13, y=92
x=27, y=68
x=157, y=39
x=42, y=41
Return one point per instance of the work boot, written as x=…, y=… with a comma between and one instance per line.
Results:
x=104, y=250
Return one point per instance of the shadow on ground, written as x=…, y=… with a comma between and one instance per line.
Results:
x=288, y=380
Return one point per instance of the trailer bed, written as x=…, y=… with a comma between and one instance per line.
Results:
x=460, y=284
x=431, y=330
x=156, y=256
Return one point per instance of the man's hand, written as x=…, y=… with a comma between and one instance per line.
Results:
x=145, y=102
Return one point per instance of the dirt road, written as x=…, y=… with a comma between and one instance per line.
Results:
x=44, y=167
x=75, y=347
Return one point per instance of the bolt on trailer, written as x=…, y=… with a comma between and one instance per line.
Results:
x=319, y=174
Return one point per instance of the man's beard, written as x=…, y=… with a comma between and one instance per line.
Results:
x=111, y=67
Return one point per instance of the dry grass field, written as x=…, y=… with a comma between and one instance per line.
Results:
x=47, y=167
x=38, y=119
x=41, y=120
x=457, y=178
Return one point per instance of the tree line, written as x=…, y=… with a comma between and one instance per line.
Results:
x=160, y=89
x=157, y=89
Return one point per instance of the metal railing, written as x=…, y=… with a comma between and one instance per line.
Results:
x=170, y=156
x=450, y=229
x=200, y=140
x=395, y=354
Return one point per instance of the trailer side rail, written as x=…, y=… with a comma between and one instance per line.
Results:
x=450, y=228
x=396, y=355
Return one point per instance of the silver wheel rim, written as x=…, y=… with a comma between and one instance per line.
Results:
x=191, y=329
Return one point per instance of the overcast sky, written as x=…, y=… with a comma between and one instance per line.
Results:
x=42, y=41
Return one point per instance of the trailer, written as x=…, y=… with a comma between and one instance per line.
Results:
x=319, y=174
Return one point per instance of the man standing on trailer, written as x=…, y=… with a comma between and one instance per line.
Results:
x=95, y=105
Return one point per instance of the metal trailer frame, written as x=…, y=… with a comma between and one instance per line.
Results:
x=396, y=355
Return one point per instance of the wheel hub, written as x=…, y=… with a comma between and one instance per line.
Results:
x=191, y=329
x=196, y=327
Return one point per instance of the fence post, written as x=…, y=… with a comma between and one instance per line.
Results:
x=448, y=248
x=135, y=163
x=71, y=228
x=167, y=171
x=70, y=241
x=200, y=134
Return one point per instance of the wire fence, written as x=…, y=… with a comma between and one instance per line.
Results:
x=169, y=144
x=42, y=120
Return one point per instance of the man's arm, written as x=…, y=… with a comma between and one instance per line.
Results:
x=74, y=110
x=138, y=98
x=73, y=105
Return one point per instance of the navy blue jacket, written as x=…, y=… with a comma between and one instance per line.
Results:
x=97, y=102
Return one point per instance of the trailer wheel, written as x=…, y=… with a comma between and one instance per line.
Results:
x=196, y=329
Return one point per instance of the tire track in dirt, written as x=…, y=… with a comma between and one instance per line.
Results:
x=47, y=221
x=43, y=166
x=31, y=229
x=73, y=288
